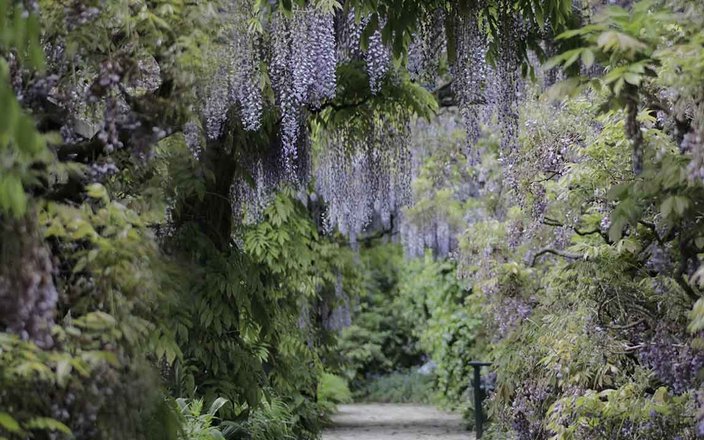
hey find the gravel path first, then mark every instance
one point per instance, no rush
(395, 422)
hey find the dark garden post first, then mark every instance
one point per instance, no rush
(478, 397)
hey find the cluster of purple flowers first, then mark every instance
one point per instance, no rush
(672, 358)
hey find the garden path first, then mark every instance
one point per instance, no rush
(395, 422)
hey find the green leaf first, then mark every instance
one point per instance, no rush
(587, 57)
(616, 229)
(579, 32)
(63, 371)
(216, 405)
(696, 315)
(97, 191)
(28, 140)
(619, 191)
(699, 242)
(567, 87)
(619, 86)
(674, 205)
(681, 204)
(661, 395)
(571, 56)
(12, 197)
(96, 321)
(48, 424)
(9, 423)
(632, 78)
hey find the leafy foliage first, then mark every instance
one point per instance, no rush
(400, 387)
(448, 323)
(273, 419)
(198, 425)
(581, 270)
(380, 338)
(333, 390)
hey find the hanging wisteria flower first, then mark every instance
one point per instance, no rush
(302, 69)
(377, 58)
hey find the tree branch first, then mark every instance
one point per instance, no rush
(446, 96)
(558, 252)
(552, 222)
(552, 175)
(341, 106)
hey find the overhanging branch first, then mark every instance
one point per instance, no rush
(558, 252)
(552, 222)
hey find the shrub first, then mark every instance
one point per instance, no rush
(271, 420)
(196, 424)
(400, 387)
(333, 389)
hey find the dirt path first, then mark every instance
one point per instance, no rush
(395, 422)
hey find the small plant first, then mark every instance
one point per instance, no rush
(273, 419)
(196, 424)
(333, 390)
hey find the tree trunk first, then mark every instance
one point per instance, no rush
(28, 295)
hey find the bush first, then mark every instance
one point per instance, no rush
(381, 338)
(332, 390)
(199, 425)
(273, 419)
(448, 320)
(400, 387)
